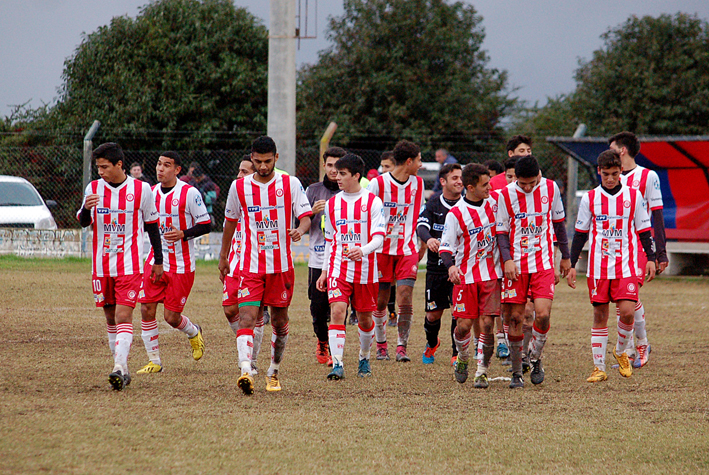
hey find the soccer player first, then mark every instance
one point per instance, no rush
(530, 215)
(269, 203)
(318, 194)
(616, 218)
(517, 146)
(401, 191)
(469, 233)
(119, 209)
(183, 217)
(230, 296)
(354, 230)
(648, 183)
(439, 290)
(387, 163)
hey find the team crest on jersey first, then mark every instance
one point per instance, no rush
(631, 288)
(431, 306)
(131, 294)
(494, 208)
(183, 300)
(130, 197)
(545, 199)
(364, 208)
(460, 307)
(414, 268)
(175, 202)
(284, 296)
(279, 192)
(636, 183)
(626, 204)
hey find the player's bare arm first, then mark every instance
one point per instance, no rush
(650, 271)
(321, 283)
(297, 233)
(227, 236)
(564, 267)
(454, 275)
(571, 278)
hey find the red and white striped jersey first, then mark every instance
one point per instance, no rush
(647, 183)
(402, 205)
(528, 218)
(351, 219)
(236, 241)
(614, 222)
(118, 223)
(268, 211)
(182, 207)
(469, 234)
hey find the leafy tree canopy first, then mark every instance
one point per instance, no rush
(403, 69)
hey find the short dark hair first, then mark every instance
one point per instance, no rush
(472, 173)
(628, 140)
(388, 155)
(351, 162)
(527, 167)
(176, 157)
(197, 172)
(111, 151)
(337, 152)
(136, 164)
(495, 166)
(609, 159)
(263, 145)
(514, 142)
(447, 168)
(405, 150)
(247, 159)
(511, 162)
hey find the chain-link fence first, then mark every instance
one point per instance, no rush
(56, 171)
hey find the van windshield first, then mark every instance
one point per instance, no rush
(18, 194)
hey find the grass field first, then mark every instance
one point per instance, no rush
(58, 413)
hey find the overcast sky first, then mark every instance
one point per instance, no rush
(538, 42)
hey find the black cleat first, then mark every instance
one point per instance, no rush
(117, 380)
(517, 381)
(537, 375)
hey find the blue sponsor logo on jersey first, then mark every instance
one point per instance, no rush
(102, 210)
(253, 209)
(389, 204)
(340, 222)
(438, 227)
(520, 215)
(319, 248)
(602, 217)
(475, 230)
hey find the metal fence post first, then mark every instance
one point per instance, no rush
(88, 148)
(572, 184)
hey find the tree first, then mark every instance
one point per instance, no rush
(180, 65)
(403, 69)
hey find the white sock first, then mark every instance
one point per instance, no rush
(625, 332)
(380, 329)
(149, 333)
(258, 338)
(111, 331)
(245, 346)
(463, 346)
(336, 339)
(599, 342)
(539, 338)
(124, 338)
(365, 342)
(187, 327)
(639, 323)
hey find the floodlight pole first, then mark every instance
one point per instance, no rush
(86, 179)
(572, 184)
(324, 144)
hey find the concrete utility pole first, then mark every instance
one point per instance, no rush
(281, 82)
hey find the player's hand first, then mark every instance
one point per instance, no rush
(511, 272)
(321, 283)
(91, 201)
(318, 206)
(173, 235)
(649, 271)
(355, 254)
(454, 275)
(571, 278)
(295, 234)
(557, 276)
(661, 266)
(564, 267)
(156, 273)
(433, 244)
(223, 268)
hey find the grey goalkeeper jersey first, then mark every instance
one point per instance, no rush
(316, 192)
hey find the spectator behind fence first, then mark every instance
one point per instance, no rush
(209, 190)
(136, 171)
(444, 158)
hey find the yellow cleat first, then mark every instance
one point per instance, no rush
(597, 376)
(150, 368)
(246, 383)
(197, 344)
(273, 383)
(624, 367)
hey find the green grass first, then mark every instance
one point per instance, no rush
(59, 415)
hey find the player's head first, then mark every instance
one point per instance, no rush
(329, 158)
(168, 167)
(387, 162)
(109, 161)
(609, 167)
(527, 172)
(494, 167)
(350, 170)
(264, 156)
(136, 170)
(519, 145)
(627, 141)
(510, 168)
(246, 167)
(476, 180)
(450, 178)
(408, 155)
(441, 155)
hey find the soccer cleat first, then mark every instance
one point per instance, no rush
(254, 369)
(127, 379)
(273, 383)
(401, 355)
(642, 354)
(461, 371)
(454, 358)
(392, 319)
(481, 381)
(624, 367)
(337, 373)
(364, 370)
(197, 344)
(322, 353)
(502, 351)
(382, 351)
(428, 353)
(597, 376)
(537, 376)
(526, 366)
(117, 380)
(246, 383)
(517, 381)
(150, 368)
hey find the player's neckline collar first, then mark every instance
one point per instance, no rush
(259, 183)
